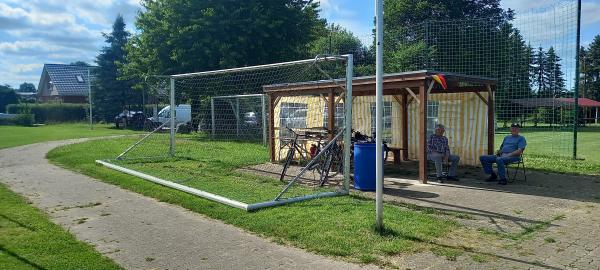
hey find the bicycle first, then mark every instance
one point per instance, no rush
(293, 146)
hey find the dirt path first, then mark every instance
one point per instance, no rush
(140, 232)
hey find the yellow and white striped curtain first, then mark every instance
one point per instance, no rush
(463, 114)
(465, 117)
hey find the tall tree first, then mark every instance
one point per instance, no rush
(416, 31)
(592, 70)
(553, 75)
(338, 40)
(79, 63)
(26, 88)
(188, 36)
(111, 95)
(473, 37)
(7, 96)
(538, 68)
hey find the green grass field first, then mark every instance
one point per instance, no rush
(28, 240)
(552, 150)
(17, 135)
(340, 226)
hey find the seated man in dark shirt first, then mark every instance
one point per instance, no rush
(510, 151)
(438, 151)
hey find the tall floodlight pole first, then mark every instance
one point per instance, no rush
(577, 74)
(379, 115)
(89, 86)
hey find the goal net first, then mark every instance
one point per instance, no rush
(248, 137)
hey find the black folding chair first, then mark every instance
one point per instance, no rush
(519, 167)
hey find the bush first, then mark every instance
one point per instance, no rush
(24, 120)
(51, 113)
(18, 119)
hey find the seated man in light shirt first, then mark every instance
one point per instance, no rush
(438, 151)
(510, 151)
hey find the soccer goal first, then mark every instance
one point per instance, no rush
(249, 137)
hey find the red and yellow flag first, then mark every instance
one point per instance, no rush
(439, 78)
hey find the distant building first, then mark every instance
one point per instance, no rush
(29, 96)
(64, 83)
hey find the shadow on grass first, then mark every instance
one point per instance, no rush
(17, 222)
(452, 251)
(21, 259)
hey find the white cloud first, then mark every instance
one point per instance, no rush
(590, 13)
(35, 32)
(520, 5)
(22, 68)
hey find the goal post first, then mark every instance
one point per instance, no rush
(205, 113)
(249, 111)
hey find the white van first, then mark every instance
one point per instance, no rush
(183, 115)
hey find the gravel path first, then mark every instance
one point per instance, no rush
(140, 232)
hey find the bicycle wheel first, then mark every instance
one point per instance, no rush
(326, 167)
(286, 165)
(337, 161)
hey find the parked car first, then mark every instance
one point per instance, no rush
(183, 118)
(251, 119)
(133, 119)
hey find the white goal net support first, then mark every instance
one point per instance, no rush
(249, 137)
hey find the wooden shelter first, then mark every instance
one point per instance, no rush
(407, 89)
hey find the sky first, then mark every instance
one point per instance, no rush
(35, 32)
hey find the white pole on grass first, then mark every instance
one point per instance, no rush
(348, 121)
(379, 115)
(212, 117)
(172, 116)
(264, 117)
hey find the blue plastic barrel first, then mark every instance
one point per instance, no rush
(364, 166)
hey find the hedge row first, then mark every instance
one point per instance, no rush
(51, 112)
(18, 119)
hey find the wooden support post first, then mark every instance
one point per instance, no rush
(331, 114)
(405, 126)
(423, 134)
(482, 98)
(272, 127)
(490, 115)
(413, 93)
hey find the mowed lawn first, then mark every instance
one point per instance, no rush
(339, 226)
(552, 150)
(16, 135)
(28, 240)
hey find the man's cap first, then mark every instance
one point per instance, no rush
(515, 125)
(439, 126)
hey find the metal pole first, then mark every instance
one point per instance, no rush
(348, 121)
(89, 84)
(212, 117)
(576, 122)
(172, 116)
(379, 116)
(264, 118)
(237, 117)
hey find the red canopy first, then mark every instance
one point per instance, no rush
(583, 102)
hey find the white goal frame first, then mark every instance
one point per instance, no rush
(346, 133)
